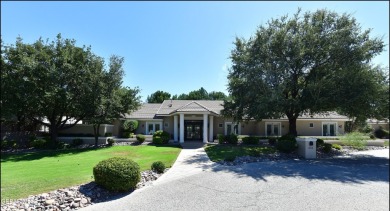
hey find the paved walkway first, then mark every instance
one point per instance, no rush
(195, 183)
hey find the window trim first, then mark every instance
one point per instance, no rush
(311, 125)
(273, 123)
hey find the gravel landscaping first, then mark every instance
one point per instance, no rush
(73, 198)
(286, 156)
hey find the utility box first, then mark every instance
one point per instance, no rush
(307, 147)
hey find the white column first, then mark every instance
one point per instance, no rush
(211, 129)
(181, 128)
(175, 128)
(205, 118)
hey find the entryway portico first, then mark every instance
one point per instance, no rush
(198, 123)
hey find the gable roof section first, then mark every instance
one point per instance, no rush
(171, 106)
(146, 111)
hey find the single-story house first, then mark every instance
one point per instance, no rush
(202, 120)
(376, 124)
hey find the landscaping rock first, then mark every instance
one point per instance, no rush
(73, 198)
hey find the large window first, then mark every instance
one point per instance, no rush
(329, 128)
(152, 127)
(232, 128)
(273, 129)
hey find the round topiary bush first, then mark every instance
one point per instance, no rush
(110, 142)
(157, 140)
(320, 142)
(327, 147)
(164, 136)
(117, 174)
(158, 167)
(287, 144)
(140, 138)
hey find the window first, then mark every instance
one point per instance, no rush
(311, 124)
(166, 124)
(329, 129)
(272, 129)
(220, 125)
(152, 127)
(232, 128)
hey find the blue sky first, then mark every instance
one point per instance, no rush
(171, 46)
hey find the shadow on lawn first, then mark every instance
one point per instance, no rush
(346, 170)
(36, 155)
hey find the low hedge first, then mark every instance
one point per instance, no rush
(250, 140)
(287, 144)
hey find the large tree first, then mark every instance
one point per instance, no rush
(50, 80)
(158, 97)
(111, 98)
(303, 63)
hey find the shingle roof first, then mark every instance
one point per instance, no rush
(168, 107)
(171, 106)
(147, 111)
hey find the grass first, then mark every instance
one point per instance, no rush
(34, 173)
(221, 152)
(355, 140)
(386, 143)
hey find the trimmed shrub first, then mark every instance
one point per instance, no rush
(130, 125)
(157, 140)
(131, 135)
(287, 144)
(158, 167)
(126, 134)
(163, 135)
(108, 134)
(117, 174)
(140, 138)
(221, 139)
(327, 147)
(39, 143)
(320, 142)
(355, 140)
(232, 139)
(381, 133)
(272, 141)
(110, 142)
(337, 146)
(250, 140)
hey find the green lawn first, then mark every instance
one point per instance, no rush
(34, 173)
(220, 152)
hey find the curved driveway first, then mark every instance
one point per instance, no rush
(360, 182)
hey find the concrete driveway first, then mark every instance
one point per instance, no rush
(195, 183)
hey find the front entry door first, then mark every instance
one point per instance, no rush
(193, 130)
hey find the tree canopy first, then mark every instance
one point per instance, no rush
(201, 94)
(158, 97)
(312, 62)
(57, 81)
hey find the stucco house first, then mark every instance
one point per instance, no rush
(202, 120)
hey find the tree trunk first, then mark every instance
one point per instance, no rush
(53, 134)
(96, 128)
(292, 126)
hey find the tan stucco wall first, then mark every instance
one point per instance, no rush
(303, 128)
